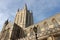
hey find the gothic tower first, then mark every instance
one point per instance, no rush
(24, 17)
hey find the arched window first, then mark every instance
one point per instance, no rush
(45, 25)
(38, 28)
(54, 22)
(31, 32)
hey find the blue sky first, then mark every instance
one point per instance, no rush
(41, 9)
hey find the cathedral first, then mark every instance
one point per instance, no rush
(24, 28)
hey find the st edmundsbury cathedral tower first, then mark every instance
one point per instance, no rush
(24, 28)
(24, 17)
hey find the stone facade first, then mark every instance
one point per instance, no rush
(24, 28)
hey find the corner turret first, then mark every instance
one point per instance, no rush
(6, 22)
(25, 7)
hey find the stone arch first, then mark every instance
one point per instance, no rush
(45, 24)
(31, 31)
(54, 21)
(38, 28)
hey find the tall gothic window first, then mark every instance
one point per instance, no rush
(46, 25)
(31, 32)
(38, 28)
(55, 22)
(27, 20)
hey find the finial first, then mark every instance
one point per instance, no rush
(6, 22)
(18, 9)
(25, 6)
